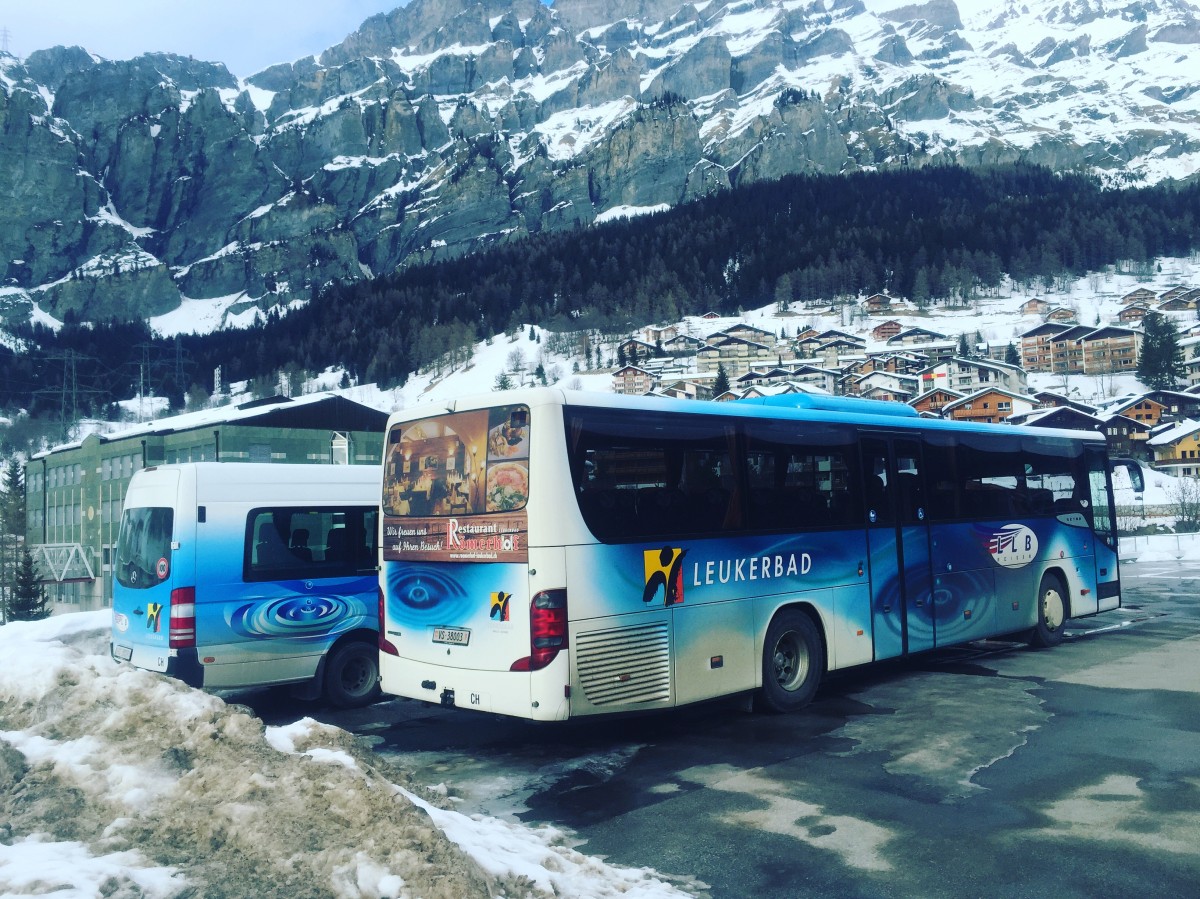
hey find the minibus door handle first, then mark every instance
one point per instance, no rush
(138, 612)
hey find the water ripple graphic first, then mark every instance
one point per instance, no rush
(298, 616)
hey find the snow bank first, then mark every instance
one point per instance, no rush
(115, 782)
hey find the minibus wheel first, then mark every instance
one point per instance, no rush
(1053, 611)
(792, 664)
(352, 674)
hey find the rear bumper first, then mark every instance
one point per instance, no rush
(540, 697)
(182, 664)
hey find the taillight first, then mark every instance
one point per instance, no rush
(547, 630)
(182, 632)
(385, 645)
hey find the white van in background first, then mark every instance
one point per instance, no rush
(243, 574)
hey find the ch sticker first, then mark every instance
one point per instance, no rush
(664, 570)
(153, 616)
(499, 610)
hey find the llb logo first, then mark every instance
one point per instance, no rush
(664, 570)
(1013, 546)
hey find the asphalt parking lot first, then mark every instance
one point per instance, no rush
(987, 770)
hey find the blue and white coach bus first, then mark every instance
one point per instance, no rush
(245, 574)
(548, 554)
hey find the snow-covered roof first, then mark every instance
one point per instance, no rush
(218, 415)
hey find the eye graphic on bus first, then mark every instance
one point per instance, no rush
(418, 595)
(664, 568)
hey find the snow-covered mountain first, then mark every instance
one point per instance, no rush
(129, 187)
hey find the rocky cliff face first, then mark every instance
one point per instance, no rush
(445, 125)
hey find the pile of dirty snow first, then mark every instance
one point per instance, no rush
(116, 782)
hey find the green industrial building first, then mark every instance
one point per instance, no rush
(74, 492)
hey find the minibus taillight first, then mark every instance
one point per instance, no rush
(385, 645)
(182, 633)
(547, 630)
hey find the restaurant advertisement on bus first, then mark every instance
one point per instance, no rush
(455, 488)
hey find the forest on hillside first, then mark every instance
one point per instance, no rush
(936, 235)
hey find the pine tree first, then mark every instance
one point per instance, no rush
(1160, 365)
(1011, 356)
(29, 601)
(12, 526)
(721, 384)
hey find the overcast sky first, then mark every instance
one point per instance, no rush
(246, 35)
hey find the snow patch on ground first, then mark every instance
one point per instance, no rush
(116, 782)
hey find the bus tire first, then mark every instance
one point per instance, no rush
(793, 662)
(352, 675)
(1053, 609)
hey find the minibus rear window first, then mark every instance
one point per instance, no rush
(144, 547)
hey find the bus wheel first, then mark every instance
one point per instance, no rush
(1052, 613)
(352, 675)
(793, 662)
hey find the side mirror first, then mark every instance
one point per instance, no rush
(1134, 471)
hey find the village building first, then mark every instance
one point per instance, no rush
(1125, 437)
(1062, 315)
(886, 330)
(682, 344)
(1037, 347)
(633, 380)
(636, 350)
(933, 401)
(882, 385)
(1050, 399)
(1141, 295)
(1064, 417)
(1133, 313)
(687, 389)
(966, 375)
(1066, 351)
(1180, 303)
(913, 337)
(736, 354)
(743, 332)
(1176, 448)
(1110, 350)
(877, 303)
(988, 406)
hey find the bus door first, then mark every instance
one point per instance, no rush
(1108, 585)
(902, 608)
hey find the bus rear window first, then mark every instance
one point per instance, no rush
(144, 547)
(461, 463)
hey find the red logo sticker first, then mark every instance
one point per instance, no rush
(161, 569)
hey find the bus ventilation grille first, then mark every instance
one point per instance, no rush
(625, 665)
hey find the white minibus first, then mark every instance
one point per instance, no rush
(231, 575)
